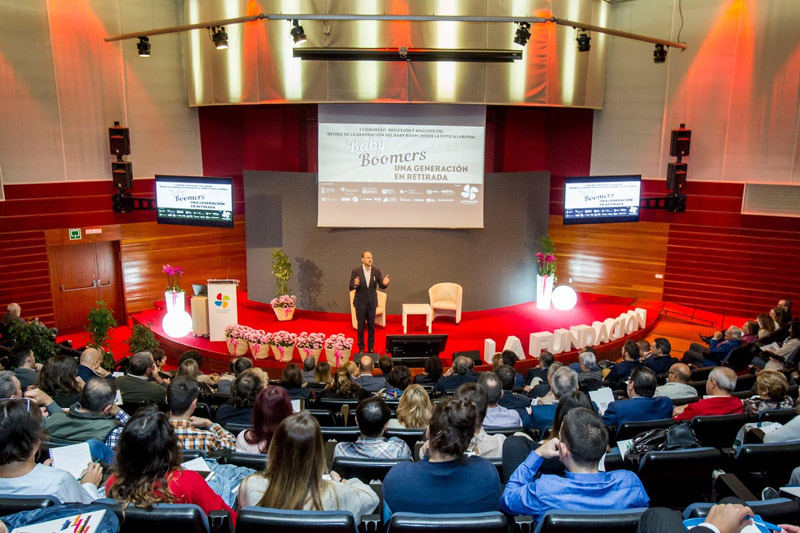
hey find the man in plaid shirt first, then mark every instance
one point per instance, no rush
(195, 433)
(372, 417)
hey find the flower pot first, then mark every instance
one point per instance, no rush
(237, 347)
(175, 300)
(259, 351)
(282, 353)
(337, 358)
(284, 313)
(544, 291)
(309, 352)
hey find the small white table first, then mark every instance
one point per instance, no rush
(417, 309)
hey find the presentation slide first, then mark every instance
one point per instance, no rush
(194, 201)
(400, 166)
(600, 199)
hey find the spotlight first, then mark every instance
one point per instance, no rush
(143, 46)
(584, 44)
(523, 33)
(297, 32)
(219, 37)
(660, 54)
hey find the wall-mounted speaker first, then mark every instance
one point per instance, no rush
(676, 175)
(119, 140)
(122, 172)
(680, 142)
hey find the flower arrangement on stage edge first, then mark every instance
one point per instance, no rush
(283, 345)
(237, 338)
(258, 339)
(310, 344)
(338, 347)
(546, 257)
(173, 277)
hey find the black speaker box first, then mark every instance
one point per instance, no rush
(122, 172)
(119, 141)
(676, 175)
(680, 142)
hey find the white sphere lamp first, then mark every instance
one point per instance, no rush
(564, 298)
(177, 323)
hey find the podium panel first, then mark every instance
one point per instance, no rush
(222, 307)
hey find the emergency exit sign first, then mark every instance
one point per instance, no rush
(74, 234)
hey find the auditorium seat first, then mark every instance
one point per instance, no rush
(699, 386)
(256, 461)
(15, 504)
(234, 428)
(410, 435)
(507, 431)
(261, 520)
(677, 478)
(446, 300)
(629, 430)
(364, 469)
(590, 521)
(202, 410)
(718, 431)
(492, 522)
(340, 434)
(766, 465)
(781, 416)
(776, 511)
(324, 417)
(684, 401)
(162, 517)
(745, 383)
(188, 455)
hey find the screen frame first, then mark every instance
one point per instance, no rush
(601, 220)
(193, 179)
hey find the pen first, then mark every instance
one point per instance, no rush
(98, 460)
(759, 522)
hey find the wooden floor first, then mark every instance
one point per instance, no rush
(681, 333)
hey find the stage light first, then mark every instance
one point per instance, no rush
(564, 298)
(143, 46)
(584, 42)
(297, 32)
(660, 54)
(523, 33)
(219, 37)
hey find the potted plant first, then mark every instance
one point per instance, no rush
(310, 344)
(282, 344)
(284, 307)
(174, 295)
(546, 277)
(33, 336)
(338, 349)
(259, 341)
(236, 339)
(282, 270)
(101, 320)
(142, 339)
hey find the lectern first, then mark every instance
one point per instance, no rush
(222, 307)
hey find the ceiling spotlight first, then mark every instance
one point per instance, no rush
(143, 46)
(523, 33)
(297, 32)
(584, 44)
(660, 54)
(219, 37)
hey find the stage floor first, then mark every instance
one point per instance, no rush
(476, 326)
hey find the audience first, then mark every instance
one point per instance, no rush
(160, 359)
(446, 480)
(780, 316)
(721, 518)
(509, 399)
(482, 443)
(236, 366)
(509, 358)
(623, 369)
(343, 387)
(766, 325)
(272, 406)
(239, 409)
(59, 379)
(148, 467)
(771, 387)
(136, 385)
(787, 308)
(787, 353)
(542, 391)
(12, 318)
(369, 382)
(581, 443)
(719, 346)
(660, 359)
(207, 380)
(564, 381)
(641, 405)
(292, 381)
(677, 386)
(432, 373)
(396, 382)
(644, 350)
(414, 410)
(496, 415)
(386, 364)
(309, 364)
(789, 432)
(718, 400)
(322, 373)
(20, 475)
(191, 370)
(749, 332)
(545, 360)
(590, 374)
(91, 365)
(9, 385)
(194, 433)
(293, 478)
(372, 417)
(457, 375)
(25, 367)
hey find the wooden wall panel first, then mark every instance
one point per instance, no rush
(616, 259)
(26, 274)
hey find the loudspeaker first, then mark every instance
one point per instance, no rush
(119, 140)
(122, 172)
(676, 175)
(680, 141)
(475, 355)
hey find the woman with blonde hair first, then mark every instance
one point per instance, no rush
(771, 387)
(414, 410)
(765, 325)
(293, 478)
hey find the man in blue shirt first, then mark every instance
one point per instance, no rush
(582, 443)
(642, 406)
(623, 369)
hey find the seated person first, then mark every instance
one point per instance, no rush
(432, 373)
(322, 374)
(482, 443)
(722, 518)
(59, 379)
(396, 382)
(292, 381)
(12, 319)
(509, 399)
(621, 371)
(142, 383)
(509, 358)
(786, 355)
(309, 363)
(719, 346)
(677, 386)
(581, 443)
(386, 364)
(91, 365)
(208, 381)
(542, 393)
(366, 379)
(642, 405)
(343, 387)
(564, 381)
(239, 409)
(789, 432)
(414, 409)
(237, 365)
(644, 350)
(590, 374)
(25, 367)
(148, 468)
(660, 360)
(497, 416)
(9, 385)
(372, 417)
(717, 401)
(431, 486)
(20, 474)
(461, 372)
(160, 359)
(293, 478)
(194, 433)
(771, 387)
(545, 360)
(749, 332)
(272, 406)
(766, 325)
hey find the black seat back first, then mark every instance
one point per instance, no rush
(507, 431)
(188, 455)
(766, 465)
(364, 469)
(493, 522)
(718, 431)
(781, 416)
(591, 521)
(341, 434)
(15, 504)
(256, 461)
(235, 428)
(629, 430)
(410, 435)
(323, 416)
(677, 478)
(745, 383)
(163, 517)
(202, 410)
(699, 386)
(777, 511)
(261, 520)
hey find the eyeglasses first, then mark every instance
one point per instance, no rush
(26, 400)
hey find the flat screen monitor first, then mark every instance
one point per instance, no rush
(194, 201)
(598, 199)
(412, 350)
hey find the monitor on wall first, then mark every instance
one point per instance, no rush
(598, 199)
(194, 201)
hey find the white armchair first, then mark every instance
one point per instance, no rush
(380, 312)
(446, 300)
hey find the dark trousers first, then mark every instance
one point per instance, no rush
(696, 354)
(366, 315)
(661, 520)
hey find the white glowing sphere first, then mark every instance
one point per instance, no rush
(564, 298)
(177, 323)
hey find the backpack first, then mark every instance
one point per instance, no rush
(678, 437)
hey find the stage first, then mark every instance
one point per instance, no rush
(476, 326)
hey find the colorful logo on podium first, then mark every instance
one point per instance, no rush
(222, 301)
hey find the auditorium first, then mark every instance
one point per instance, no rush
(270, 264)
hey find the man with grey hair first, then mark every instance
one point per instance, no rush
(497, 416)
(588, 362)
(309, 364)
(11, 319)
(545, 360)
(543, 393)
(719, 346)
(367, 381)
(142, 382)
(717, 401)
(677, 386)
(9, 385)
(562, 382)
(458, 374)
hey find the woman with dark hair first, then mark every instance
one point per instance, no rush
(239, 409)
(292, 381)
(447, 475)
(396, 382)
(344, 387)
(59, 379)
(433, 371)
(294, 476)
(20, 435)
(765, 325)
(272, 406)
(148, 468)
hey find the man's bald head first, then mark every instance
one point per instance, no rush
(366, 365)
(679, 373)
(91, 357)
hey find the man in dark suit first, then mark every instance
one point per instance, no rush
(642, 406)
(365, 280)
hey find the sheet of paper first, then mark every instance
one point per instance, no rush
(295, 405)
(74, 459)
(770, 347)
(624, 445)
(197, 464)
(118, 374)
(601, 398)
(118, 398)
(794, 490)
(85, 523)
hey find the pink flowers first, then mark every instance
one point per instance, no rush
(284, 301)
(546, 257)
(173, 277)
(339, 342)
(283, 338)
(312, 341)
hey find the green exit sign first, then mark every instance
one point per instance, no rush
(75, 234)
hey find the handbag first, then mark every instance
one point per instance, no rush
(678, 437)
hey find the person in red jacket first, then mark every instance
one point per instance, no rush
(717, 401)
